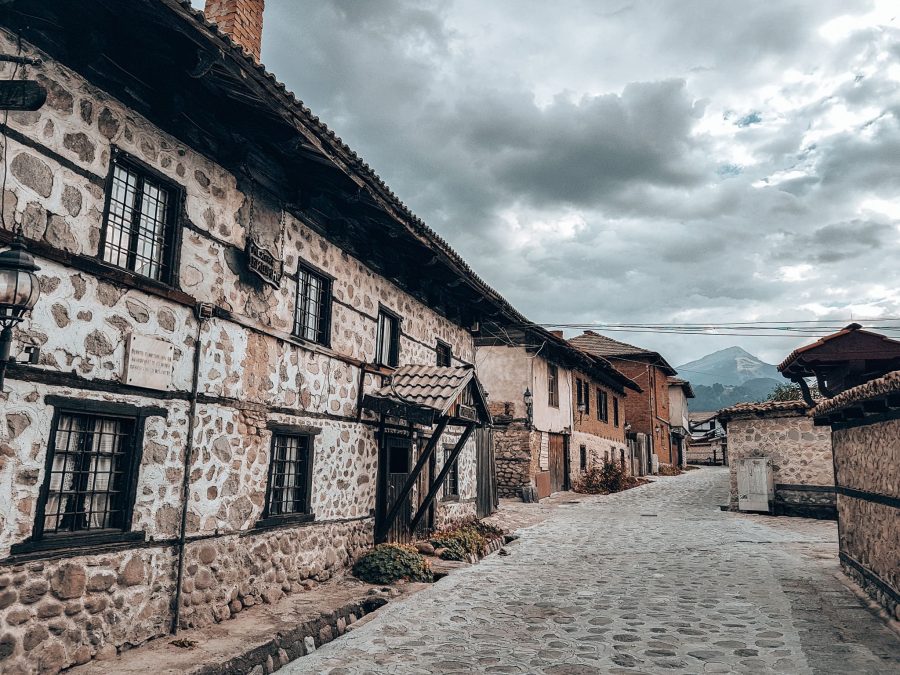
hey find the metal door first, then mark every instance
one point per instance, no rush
(756, 489)
(558, 465)
(396, 453)
(486, 470)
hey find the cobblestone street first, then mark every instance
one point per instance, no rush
(653, 580)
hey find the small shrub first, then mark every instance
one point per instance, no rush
(669, 470)
(604, 479)
(465, 540)
(386, 563)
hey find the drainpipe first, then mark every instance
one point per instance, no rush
(203, 311)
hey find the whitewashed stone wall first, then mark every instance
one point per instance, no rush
(250, 376)
(597, 448)
(800, 454)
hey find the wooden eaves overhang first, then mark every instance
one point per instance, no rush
(429, 395)
(848, 358)
(162, 59)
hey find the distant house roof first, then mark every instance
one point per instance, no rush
(700, 417)
(684, 384)
(600, 345)
(764, 409)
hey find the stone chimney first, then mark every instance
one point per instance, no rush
(241, 20)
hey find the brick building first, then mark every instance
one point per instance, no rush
(648, 411)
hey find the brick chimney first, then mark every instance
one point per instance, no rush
(241, 20)
(556, 333)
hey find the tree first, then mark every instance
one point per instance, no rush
(790, 392)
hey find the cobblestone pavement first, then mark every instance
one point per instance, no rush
(652, 580)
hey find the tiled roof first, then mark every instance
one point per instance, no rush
(701, 416)
(335, 149)
(764, 407)
(847, 330)
(600, 345)
(888, 384)
(435, 387)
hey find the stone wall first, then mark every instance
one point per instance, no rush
(252, 373)
(598, 449)
(867, 458)
(513, 456)
(801, 458)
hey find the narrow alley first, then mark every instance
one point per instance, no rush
(656, 579)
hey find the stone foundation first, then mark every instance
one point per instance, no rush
(512, 450)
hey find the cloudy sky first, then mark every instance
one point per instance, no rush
(645, 161)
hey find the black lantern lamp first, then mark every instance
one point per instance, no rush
(19, 292)
(529, 404)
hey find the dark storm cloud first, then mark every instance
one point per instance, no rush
(704, 160)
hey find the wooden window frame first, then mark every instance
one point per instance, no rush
(394, 349)
(553, 385)
(443, 349)
(452, 475)
(63, 405)
(269, 519)
(582, 457)
(602, 405)
(170, 259)
(615, 411)
(300, 313)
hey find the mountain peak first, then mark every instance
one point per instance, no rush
(731, 366)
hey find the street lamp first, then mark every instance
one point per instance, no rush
(19, 292)
(528, 397)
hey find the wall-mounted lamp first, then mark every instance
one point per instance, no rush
(528, 397)
(19, 293)
(657, 430)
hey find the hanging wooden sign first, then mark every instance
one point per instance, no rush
(263, 264)
(22, 95)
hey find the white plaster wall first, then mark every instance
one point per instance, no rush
(505, 374)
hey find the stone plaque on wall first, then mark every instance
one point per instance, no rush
(149, 362)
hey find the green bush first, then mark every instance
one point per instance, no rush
(605, 479)
(386, 563)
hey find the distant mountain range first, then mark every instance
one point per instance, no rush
(729, 376)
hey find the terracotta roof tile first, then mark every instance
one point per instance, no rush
(435, 387)
(764, 407)
(888, 384)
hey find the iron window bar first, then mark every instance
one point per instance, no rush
(312, 315)
(290, 475)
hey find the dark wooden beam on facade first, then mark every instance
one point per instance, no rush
(411, 481)
(439, 480)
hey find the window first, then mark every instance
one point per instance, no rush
(444, 354)
(583, 395)
(583, 457)
(602, 406)
(451, 482)
(139, 223)
(91, 471)
(312, 315)
(615, 411)
(553, 385)
(290, 475)
(388, 343)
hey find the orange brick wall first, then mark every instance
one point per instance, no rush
(241, 20)
(648, 409)
(588, 423)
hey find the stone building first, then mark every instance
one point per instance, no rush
(207, 422)
(533, 378)
(783, 432)
(858, 371)
(707, 444)
(648, 410)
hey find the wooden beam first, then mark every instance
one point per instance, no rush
(410, 482)
(439, 480)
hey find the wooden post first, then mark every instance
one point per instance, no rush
(439, 480)
(411, 481)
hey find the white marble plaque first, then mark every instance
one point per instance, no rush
(149, 362)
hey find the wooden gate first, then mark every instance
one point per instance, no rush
(425, 525)
(487, 501)
(396, 458)
(559, 467)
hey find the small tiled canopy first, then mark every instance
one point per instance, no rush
(422, 392)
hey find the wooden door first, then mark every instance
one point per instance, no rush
(486, 470)
(558, 465)
(423, 484)
(396, 456)
(754, 483)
